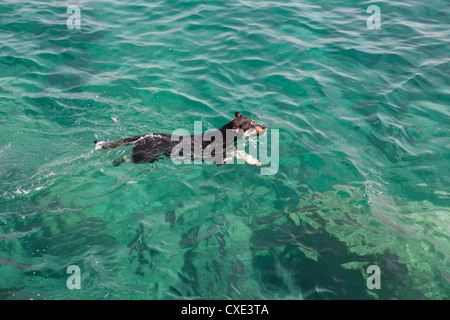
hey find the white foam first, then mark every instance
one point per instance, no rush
(99, 145)
(151, 135)
(20, 191)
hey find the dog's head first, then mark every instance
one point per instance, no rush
(247, 125)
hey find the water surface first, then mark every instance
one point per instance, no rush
(363, 179)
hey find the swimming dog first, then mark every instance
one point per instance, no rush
(214, 144)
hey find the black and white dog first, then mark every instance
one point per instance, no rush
(210, 146)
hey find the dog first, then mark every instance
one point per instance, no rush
(216, 144)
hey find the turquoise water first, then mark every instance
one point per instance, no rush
(363, 178)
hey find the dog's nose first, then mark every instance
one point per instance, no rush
(262, 131)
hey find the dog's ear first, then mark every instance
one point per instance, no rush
(238, 114)
(236, 123)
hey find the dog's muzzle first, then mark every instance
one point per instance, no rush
(261, 130)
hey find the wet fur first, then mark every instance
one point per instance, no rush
(155, 146)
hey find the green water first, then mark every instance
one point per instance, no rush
(363, 177)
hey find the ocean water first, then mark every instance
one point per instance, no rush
(363, 177)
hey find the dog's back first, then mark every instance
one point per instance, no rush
(152, 147)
